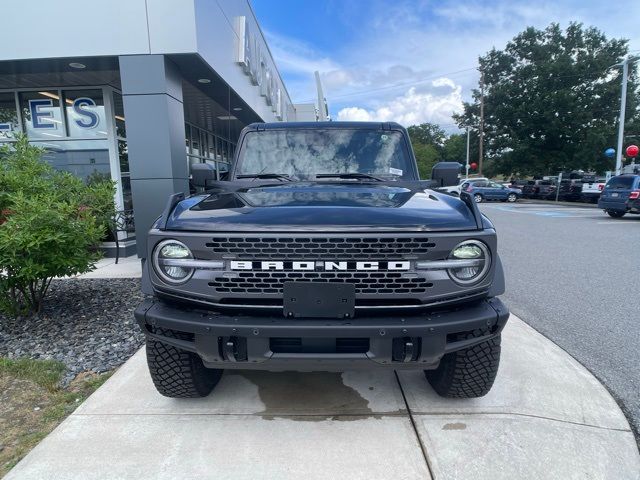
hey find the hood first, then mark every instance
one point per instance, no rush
(322, 207)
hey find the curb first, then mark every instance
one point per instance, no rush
(552, 202)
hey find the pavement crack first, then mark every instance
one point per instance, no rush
(518, 414)
(415, 427)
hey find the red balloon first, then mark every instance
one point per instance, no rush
(632, 151)
(474, 165)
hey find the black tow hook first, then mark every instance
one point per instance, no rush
(234, 349)
(406, 349)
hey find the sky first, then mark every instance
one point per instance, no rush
(411, 61)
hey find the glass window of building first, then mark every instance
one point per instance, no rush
(87, 159)
(42, 115)
(123, 155)
(212, 147)
(126, 193)
(195, 142)
(85, 114)
(187, 133)
(8, 116)
(118, 111)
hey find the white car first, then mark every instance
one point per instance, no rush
(455, 190)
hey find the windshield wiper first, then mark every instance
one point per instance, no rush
(278, 176)
(364, 176)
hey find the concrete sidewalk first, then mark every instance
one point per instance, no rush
(127, 267)
(546, 418)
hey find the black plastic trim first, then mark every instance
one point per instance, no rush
(430, 330)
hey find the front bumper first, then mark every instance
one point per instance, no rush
(276, 343)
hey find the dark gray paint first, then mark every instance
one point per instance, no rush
(152, 97)
(197, 287)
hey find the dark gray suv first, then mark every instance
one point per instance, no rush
(621, 195)
(323, 251)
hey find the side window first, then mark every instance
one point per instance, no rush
(465, 185)
(480, 184)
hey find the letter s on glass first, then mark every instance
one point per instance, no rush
(91, 118)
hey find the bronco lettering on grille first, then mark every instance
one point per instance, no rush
(323, 266)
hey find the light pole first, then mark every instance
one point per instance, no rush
(623, 106)
(481, 142)
(467, 163)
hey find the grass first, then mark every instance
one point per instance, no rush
(32, 404)
(45, 373)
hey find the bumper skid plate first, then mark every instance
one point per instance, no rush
(416, 341)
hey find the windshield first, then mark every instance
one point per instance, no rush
(621, 183)
(305, 153)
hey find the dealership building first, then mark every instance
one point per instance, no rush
(138, 91)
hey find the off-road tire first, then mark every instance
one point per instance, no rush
(177, 373)
(467, 373)
(616, 213)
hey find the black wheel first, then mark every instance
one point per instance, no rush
(467, 373)
(512, 198)
(616, 213)
(177, 373)
(478, 198)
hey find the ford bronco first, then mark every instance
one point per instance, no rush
(323, 250)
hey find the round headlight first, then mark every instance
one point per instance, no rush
(477, 254)
(166, 261)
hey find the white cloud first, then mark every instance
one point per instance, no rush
(413, 107)
(414, 60)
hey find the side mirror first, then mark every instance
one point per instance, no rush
(201, 173)
(445, 174)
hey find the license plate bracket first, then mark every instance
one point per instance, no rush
(319, 300)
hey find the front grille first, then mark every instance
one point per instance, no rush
(320, 248)
(253, 283)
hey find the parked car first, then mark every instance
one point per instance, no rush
(591, 191)
(529, 189)
(621, 195)
(547, 190)
(570, 190)
(455, 189)
(482, 190)
(264, 272)
(518, 184)
(543, 189)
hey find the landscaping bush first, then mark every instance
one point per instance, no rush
(50, 225)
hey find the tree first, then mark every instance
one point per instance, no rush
(551, 101)
(431, 145)
(426, 157)
(427, 134)
(455, 148)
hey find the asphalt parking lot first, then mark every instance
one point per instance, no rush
(573, 273)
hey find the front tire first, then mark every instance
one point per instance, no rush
(177, 373)
(477, 198)
(616, 213)
(467, 373)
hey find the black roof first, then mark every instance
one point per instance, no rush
(324, 125)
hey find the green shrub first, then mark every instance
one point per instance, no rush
(50, 226)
